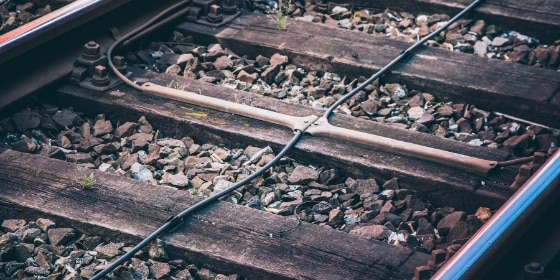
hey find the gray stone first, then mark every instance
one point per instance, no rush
(126, 129)
(270, 73)
(415, 113)
(171, 143)
(160, 269)
(37, 271)
(377, 232)
(11, 225)
(45, 224)
(223, 63)
(88, 143)
(173, 69)
(79, 158)
(141, 173)
(246, 77)
(478, 27)
(30, 234)
(205, 274)
(500, 41)
(109, 251)
(480, 48)
(396, 91)
(25, 145)
(365, 187)
(302, 175)
(61, 236)
(424, 227)
(67, 118)
(416, 101)
(278, 59)
(197, 162)
(26, 119)
(178, 180)
(449, 221)
(127, 160)
(140, 268)
(262, 61)
(144, 125)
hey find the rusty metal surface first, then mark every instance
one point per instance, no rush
(47, 61)
(320, 127)
(51, 25)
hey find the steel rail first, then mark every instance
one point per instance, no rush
(515, 217)
(41, 29)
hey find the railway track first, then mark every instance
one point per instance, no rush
(232, 238)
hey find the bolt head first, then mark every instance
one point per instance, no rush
(92, 48)
(118, 61)
(100, 71)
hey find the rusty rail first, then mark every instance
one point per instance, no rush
(51, 25)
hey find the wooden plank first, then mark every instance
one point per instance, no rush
(231, 238)
(441, 184)
(537, 18)
(510, 88)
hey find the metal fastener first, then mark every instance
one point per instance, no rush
(78, 74)
(229, 7)
(214, 14)
(423, 273)
(92, 51)
(437, 258)
(100, 76)
(539, 158)
(525, 172)
(451, 250)
(533, 271)
(120, 64)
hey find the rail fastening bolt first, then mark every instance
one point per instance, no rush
(229, 7)
(525, 172)
(100, 76)
(451, 250)
(539, 158)
(214, 15)
(533, 271)
(119, 63)
(422, 273)
(437, 258)
(92, 51)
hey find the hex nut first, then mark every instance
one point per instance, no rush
(92, 51)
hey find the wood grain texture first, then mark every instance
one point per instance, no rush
(510, 88)
(228, 237)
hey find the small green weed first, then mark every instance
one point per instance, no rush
(175, 85)
(280, 16)
(85, 182)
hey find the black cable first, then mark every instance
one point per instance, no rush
(404, 55)
(176, 220)
(138, 30)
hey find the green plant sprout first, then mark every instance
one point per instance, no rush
(175, 85)
(86, 182)
(280, 16)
